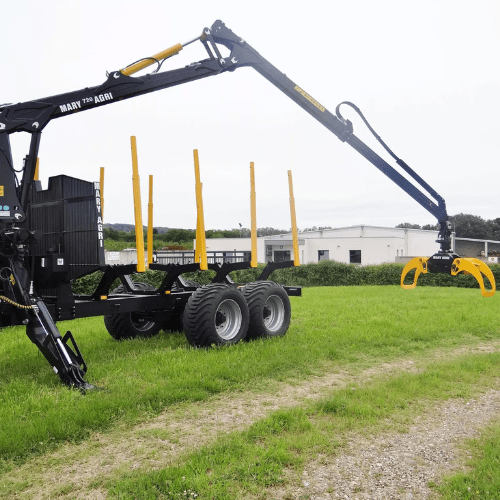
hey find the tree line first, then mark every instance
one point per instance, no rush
(190, 234)
(466, 226)
(177, 239)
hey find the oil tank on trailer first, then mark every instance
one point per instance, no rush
(68, 213)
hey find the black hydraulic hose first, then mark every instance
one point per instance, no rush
(144, 59)
(400, 162)
(370, 128)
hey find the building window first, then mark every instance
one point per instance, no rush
(323, 255)
(281, 255)
(269, 251)
(355, 256)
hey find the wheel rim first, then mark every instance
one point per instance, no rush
(228, 319)
(274, 313)
(140, 323)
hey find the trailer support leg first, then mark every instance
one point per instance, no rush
(66, 362)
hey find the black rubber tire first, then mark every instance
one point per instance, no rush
(130, 325)
(215, 314)
(269, 309)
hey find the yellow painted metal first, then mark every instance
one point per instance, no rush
(103, 297)
(198, 196)
(296, 259)
(477, 268)
(197, 245)
(253, 216)
(37, 172)
(150, 221)
(199, 231)
(101, 188)
(139, 236)
(201, 245)
(134, 68)
(420, 266)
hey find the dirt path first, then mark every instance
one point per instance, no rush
(397, 466)
(76, 471)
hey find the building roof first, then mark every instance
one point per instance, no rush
(356, 227)
(361, 227)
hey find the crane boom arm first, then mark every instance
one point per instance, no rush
(32, 117)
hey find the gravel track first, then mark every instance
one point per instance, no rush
(398, 466)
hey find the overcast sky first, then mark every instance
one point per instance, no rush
(425, 74)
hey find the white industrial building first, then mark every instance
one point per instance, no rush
(362, 245)
(356, 244)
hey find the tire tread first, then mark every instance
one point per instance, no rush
(256, 294)
(198, 326)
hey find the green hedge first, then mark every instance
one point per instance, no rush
(330, 273)
(325, 273)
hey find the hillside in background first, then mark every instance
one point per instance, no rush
(129, 228)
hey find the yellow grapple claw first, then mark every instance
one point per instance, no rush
(477, 268)
(420, 266)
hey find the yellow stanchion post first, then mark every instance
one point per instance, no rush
(201, 245)
(150, 221)
(139, 235)
(253, 216)
(296, 259)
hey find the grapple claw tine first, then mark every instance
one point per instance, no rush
(477, 268)
(420, 266)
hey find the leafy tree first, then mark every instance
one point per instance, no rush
(270, 231)
(471, 226)
(180, 235)
(466, 226)
(314, 228)
(112, 234)
(495, 229)
(213, 233)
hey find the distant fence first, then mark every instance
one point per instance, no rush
(187, 257)
(177, 257)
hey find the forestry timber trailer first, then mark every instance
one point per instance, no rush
(48, 238)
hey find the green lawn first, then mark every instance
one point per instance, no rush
(245, 464)
(331, 327)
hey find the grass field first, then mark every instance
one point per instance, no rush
(333, 330)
